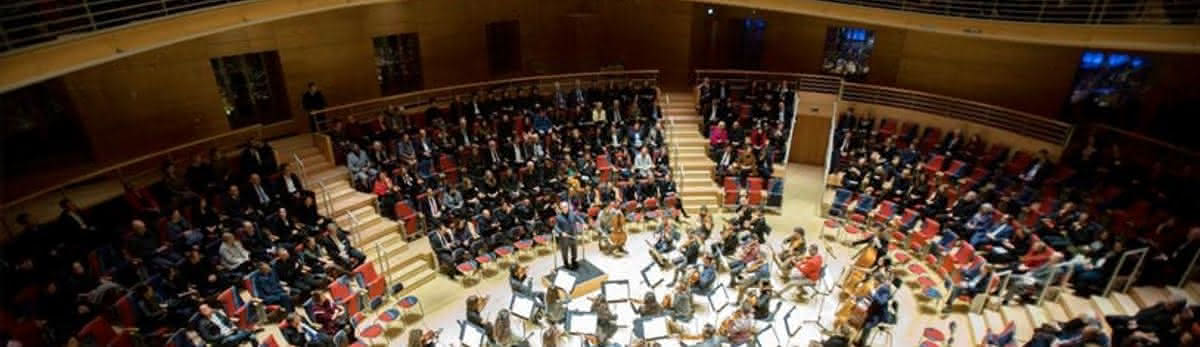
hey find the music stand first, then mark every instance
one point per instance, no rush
(471, 335)
(719, 299)
(582, 323)
(615, 291)
(522, 306)
(792, 322)
(564, 279)
(651, 328)
(768, 337)
(653, 275)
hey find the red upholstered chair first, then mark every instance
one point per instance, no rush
(376, 285)
(412, 224)
(234, 308)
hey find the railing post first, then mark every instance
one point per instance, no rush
(1188, 273)
(1041, 10)
(88, 12)
(1117, 274)
(1137, 271)
(163, 4)
(300, 164)
(1049, 283)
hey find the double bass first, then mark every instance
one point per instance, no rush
(618, 235)
(856, 287)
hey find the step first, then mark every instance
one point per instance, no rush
(349, 201)
(693, 141)
(409, 271)
(994, 321)
(307, 152)
(312, 157)
(1125, 302)
(1037, 316)
(692, 154)
(1148, 296)
(393, 244)
(363, 213)
(693, 150)
(332, 186)
(1107, 307)
(1193, 287)
(1055, 312)
(977, 327)
(336, 191)
(426, 276)
(690, 120)
(697, 165)
(698, 183)
(317, 166)
(1020, 318)
(328, 176)
(1178, 292)
(1075, 306)
(377, 230)
(292, 143)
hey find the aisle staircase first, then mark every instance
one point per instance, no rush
(380, 238)
(693, 168)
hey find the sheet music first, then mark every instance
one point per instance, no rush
(616, 291)
(472, 336)
(654, 328)
(522, 306)
(583, 324)
(653, 274)
(768, 338)
(720, 299)
(564, 280)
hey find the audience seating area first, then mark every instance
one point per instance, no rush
(964, 221)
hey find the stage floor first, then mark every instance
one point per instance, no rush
(444, 300)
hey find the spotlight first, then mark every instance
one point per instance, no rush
(710, 11)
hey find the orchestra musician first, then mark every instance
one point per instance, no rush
(551, 336)
(680, 303)
(419, 338)
(805, 270)
(521, 283)
(648, 306)
(556, 304)
(666, 236)
(760, 300)
(703, 280)
(877, 312)
(878, 239)
(751, 261)
(475, 305)
(738, 328)
(606, 320)
(502, 334)
(794, 244)
(611, 222)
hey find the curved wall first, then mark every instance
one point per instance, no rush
(162, 97)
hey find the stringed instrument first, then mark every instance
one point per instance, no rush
(618, 236)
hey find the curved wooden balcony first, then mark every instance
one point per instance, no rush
(1024, 124)
(1136, 35)
(438, 96)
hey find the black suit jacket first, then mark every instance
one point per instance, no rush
(209, 331)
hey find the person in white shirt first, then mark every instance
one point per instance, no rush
(233, 255)
(642, 163)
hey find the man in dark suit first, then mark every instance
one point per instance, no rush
(217, 329)
(299, 332)
(444, 243)
(431, 207)
(233, 204)
(492, 158)
(565, 229)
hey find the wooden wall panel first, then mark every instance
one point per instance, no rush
(810, 135)
(171, 93)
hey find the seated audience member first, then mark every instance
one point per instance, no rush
(299, 332)
(331, 316)
(217, 329)
(269, 289)
(974, 282)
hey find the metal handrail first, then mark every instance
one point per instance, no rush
(682, 172)
(1045, 11)
(1050, 282)
(1120, 266)
(1022, 123)
(354, 228)
(29, 23)
(325, 197)
(300, 164)
(440, 96)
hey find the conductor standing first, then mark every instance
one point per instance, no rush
(565, 229)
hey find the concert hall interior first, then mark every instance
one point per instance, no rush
(815, 173)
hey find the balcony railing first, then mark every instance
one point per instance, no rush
(442, 96)
(25, 23)
(1050, 11)
(1021, 123)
